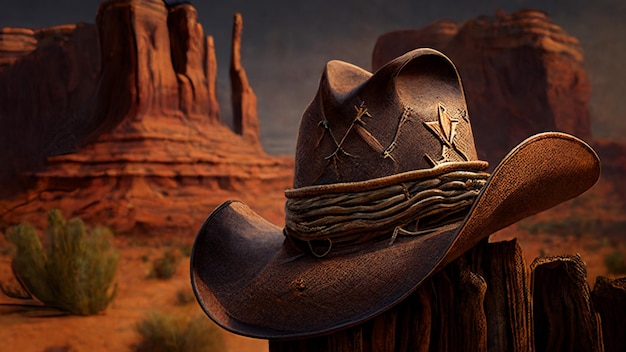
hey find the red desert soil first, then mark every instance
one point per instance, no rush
(114, 329)
(589, 225)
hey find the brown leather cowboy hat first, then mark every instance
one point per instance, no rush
(387, 190)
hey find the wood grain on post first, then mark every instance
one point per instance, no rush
(564, 316)
(485, 301)
(609, 299)
(508, 300)
(468, 306)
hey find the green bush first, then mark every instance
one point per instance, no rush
(185, 296)
(162, 332)
(75, 269)
(615, 262)
(165, 266)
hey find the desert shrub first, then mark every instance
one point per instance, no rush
(572, 225)
(185, 296)
(74, 269)
(164, 267)
(163, 332)
(615, 262)
(186, 250)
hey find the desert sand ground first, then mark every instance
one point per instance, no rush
(115, 328)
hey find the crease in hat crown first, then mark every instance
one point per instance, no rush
(383, 154)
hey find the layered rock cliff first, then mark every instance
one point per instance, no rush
(136, 104)
(244, 101)
(48, 79)
(522, 74)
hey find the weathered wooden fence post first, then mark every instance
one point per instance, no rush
(488, 301)
(564, 317)
(609, 299)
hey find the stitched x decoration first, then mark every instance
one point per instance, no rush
(445, 129)
(357, 124)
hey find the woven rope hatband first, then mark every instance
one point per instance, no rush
(351, 218)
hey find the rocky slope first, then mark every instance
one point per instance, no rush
(48, 78)
(152, 156)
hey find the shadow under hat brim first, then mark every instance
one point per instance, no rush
(252, 281)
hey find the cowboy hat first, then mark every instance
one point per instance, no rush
(387, 190)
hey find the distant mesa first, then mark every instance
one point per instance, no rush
(522, 74)
(119, 123)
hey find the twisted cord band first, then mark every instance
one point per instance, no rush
(406, 208)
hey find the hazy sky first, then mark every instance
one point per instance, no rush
(286, 44)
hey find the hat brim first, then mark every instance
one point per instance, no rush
(252, 281)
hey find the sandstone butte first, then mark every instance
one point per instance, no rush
(128, 107)
(118, 123)
(522, 74)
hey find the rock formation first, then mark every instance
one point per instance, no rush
(246, 121)
(613, 157)
(48, 78)
(194, 62)
(152, 156)
(16, 43)
(522, 74)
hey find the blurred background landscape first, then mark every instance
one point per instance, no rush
(286, 44)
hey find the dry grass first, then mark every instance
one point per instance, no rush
(615, 262)
(165, 267)
(173, 332)
(73, 270)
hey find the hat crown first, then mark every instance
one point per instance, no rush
(409, 115)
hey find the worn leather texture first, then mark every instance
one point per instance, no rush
(362, 131)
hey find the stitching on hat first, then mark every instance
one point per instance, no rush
(406, 114)
(361, 111)
(326, 126)
(445, 129)
(324, 123)
(463, 114)
(369, 138)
